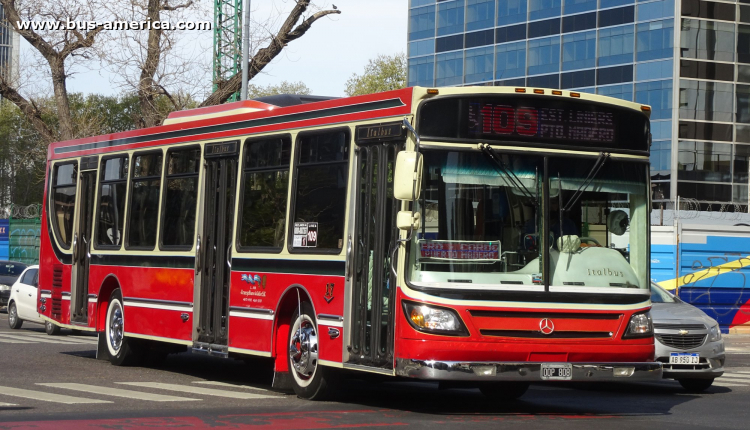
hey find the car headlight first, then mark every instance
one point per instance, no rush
(4, 287)
(714, 335)
(431, 319)
(639, 326)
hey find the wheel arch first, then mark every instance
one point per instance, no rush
(283, 315)
(109, 284)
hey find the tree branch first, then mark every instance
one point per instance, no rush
(28, 108)
(286, 34)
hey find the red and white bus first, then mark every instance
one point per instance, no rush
(488, 237)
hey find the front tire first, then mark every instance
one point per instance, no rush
(310, 380)
(51, 329)
(504, 391)
(13, 321)
(696, 385)
(122, 351)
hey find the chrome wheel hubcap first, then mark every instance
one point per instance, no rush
(115, 328)
(303, 347)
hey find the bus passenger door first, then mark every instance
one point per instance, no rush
(373, 234)
(213, 262)
(82, 236)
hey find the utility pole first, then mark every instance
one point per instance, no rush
(245, 50)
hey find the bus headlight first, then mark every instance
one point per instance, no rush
(430, 319)
(714, 335)
(640, 326)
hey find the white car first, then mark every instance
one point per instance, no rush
(23, 301)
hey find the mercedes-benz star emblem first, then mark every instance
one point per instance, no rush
(546, 326)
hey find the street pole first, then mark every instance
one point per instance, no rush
(245, 50)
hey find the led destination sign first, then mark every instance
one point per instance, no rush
(534, 120)
(545, 122)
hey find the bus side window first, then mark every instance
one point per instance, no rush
(63, 191)
(112, 189)
(320, 195)
(181, 191)
(264, 194)
(144, 200)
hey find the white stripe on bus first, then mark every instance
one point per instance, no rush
(251, 315)
(158, 306)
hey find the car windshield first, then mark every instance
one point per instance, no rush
(11, 269)
(659, 295)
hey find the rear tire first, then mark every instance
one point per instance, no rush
(504, 391)
(51, 329)
(310, 380)
(696, 385)
(122, 351)
(13, 321)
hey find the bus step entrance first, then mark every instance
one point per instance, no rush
(211, 349)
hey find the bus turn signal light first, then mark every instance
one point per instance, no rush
(557, 92)
(520, 90)
(575, 95)
(646, 108)
(433, 91)
(538, 91)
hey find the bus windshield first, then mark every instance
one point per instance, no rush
(483, 222)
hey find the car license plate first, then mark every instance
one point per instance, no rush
(684, 358)
(556, 371)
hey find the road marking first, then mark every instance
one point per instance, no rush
(59, 339)
(228, 385)
(5, 405)
(13, 341)
(728, 384)
(46, 397)
(197, 390)
(737, 377)
(31, 340)
(118, 392)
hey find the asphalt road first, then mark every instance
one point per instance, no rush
(39, 372)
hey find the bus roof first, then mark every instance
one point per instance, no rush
(261, 116)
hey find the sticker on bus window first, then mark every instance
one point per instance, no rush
(459, 250)
(305, 235)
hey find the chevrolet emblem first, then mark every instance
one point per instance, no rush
(683, 331)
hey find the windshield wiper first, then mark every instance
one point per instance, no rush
(510, 177)
(603, 156)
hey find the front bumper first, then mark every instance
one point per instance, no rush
(529, 372)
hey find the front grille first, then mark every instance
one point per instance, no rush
(553, 335)
(680, 326)
(681, 341)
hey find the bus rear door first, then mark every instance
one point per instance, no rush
(82, 237)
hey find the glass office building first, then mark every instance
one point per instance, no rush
(9, 47)
(688, 59)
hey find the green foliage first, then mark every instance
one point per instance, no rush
(384, 73)
(255, 91)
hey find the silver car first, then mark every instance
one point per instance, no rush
(688, 342)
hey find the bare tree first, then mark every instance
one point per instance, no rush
(55, 46)
(289, 31)
(145, 60)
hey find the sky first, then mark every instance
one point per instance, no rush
(332, 50)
